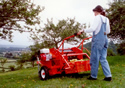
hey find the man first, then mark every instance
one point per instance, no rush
(100, 29)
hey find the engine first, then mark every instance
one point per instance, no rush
(45, 54)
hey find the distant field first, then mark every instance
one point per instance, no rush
(28, 78)
(13, 62)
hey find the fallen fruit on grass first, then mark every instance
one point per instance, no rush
(83, 86)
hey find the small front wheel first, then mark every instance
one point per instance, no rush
(44, 74)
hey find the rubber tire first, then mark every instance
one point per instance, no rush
(46, 72)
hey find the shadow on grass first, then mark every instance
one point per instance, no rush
(76, 75)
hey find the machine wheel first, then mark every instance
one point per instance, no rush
(43, 73)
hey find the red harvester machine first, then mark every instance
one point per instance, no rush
(57, 61)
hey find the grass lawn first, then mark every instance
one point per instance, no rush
(28, 78)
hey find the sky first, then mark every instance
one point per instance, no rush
(81, 10)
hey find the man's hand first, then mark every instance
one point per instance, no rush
(75, 34)
(80, 32)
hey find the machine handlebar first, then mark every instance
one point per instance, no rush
(75, 34)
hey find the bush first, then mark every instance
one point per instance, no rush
(121, 48)
(110, 52)
(12, 67)
(19, 67)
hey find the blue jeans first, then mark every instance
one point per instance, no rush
(99, 54)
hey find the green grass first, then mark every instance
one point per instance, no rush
(28, 78)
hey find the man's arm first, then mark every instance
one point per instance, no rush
(95, 25)
(107, 27)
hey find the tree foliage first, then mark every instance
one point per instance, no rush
(27, 57)
(17, 15)
(52, 34)
(32, 58)
(21, 62)
(116, 14)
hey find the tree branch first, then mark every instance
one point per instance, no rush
(16, 29)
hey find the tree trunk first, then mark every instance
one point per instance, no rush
(57, 46)
(3, 69)
(32, 63)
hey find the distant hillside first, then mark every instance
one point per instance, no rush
(111, 46)
(17, 46)
(8, 48)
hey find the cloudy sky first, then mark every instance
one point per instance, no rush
(81, 10)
